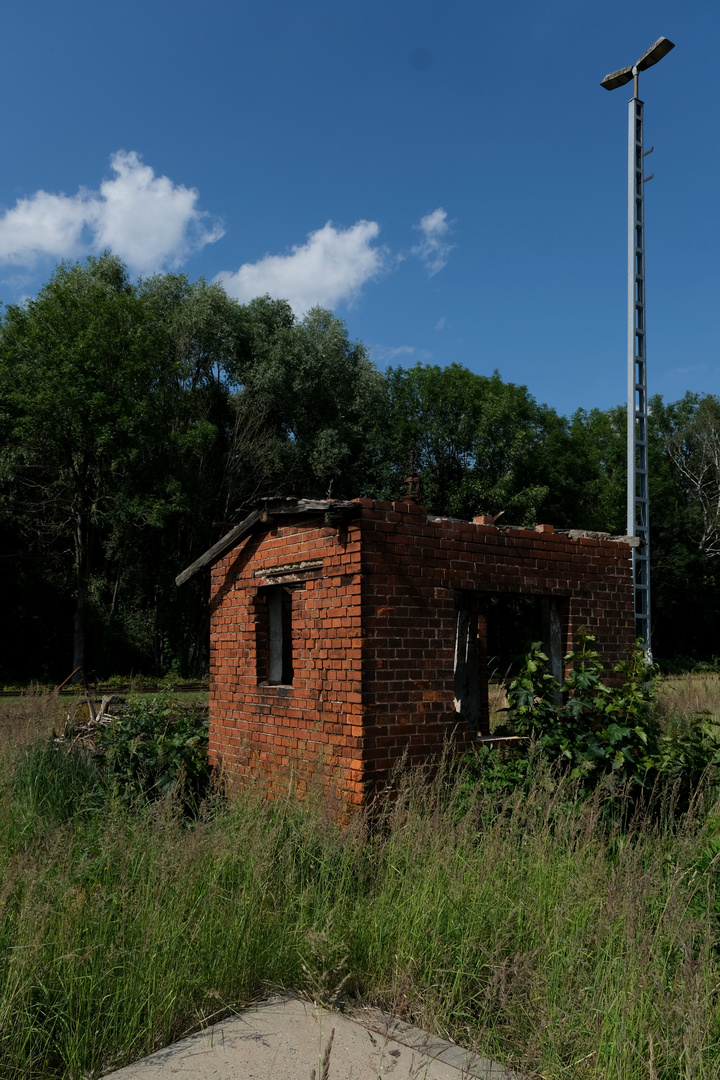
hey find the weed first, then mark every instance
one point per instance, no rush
(154, 747)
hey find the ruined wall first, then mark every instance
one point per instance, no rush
(317, 719)
(415, 568)
(374, 624)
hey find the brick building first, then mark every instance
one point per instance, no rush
(356, 632)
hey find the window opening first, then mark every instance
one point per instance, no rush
(514, 623)
(274, 635)
(554, 619)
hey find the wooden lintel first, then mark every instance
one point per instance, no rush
(306, 566)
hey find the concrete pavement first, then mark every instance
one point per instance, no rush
(292, 1039)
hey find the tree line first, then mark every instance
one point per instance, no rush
(138, 421)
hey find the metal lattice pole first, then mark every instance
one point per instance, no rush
(637, 452)
(638, 519)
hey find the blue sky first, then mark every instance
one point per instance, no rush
(449, 178)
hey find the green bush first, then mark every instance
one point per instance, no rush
(154, 747)
(688, 749)
(711, 667)
(599, 731)
(596, 729)
(498, 772)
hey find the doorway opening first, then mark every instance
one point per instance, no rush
(493, 634)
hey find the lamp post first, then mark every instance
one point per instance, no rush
(637, 410)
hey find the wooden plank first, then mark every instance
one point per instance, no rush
(218, 550)
(313, 506)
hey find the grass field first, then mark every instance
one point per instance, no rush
(532, 929)
(690, 695)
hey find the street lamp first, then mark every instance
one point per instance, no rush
(637, 411)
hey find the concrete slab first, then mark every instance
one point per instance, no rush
(291, 1039)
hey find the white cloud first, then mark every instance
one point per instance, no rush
(386, 353)
(332, 266)
(44, 224)
(440, 324)
(692, 369)
(434, 248)
(149, 221)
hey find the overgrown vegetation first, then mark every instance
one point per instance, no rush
(611, 732)
(593, 727)
(155, 747)
(527, 923)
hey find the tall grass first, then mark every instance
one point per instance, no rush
(529, 928)
(690, 695)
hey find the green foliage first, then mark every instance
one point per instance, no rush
(497, 772)
(115, 428)
(684, 477)
(688, 747)
(594, 468)
(321, 393)
(136, 416)
(153, 748)
(480, 443)
(138, 419)
(595, 728)
(134, 681)
(690, 433)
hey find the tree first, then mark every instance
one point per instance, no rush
(211, 450)
(594, 467)
(123, 440)
(684, 571)
(691, 439)
(76, 368)
(138, 420)
(321, 394)
(480, 443)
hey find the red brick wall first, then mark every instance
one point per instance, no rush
(277, 728)
(412, 567)
(374, 633)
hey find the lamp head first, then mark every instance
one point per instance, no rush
(656, 52)
(617, 78)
